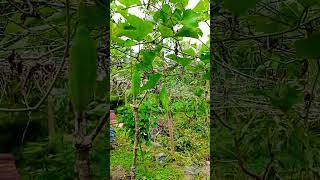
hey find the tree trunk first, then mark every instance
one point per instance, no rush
(82, 146)
(136, 143)
(170, 121)
(82, 165)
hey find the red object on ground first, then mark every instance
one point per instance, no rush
(8, 170)
(113, 120)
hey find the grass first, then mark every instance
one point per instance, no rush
(147, 168)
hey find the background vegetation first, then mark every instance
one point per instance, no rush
(265, 89)
(160, 69)
(39, 41)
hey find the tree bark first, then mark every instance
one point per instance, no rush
(82, 144)
(82, 165)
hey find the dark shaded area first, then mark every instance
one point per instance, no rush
(11, 133)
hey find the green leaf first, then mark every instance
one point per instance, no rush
(46, 11)
(129, 27)
(164, 98)
(182, 61)
(308, 3)
(198, 91)
(139, 28)
(12, 26)
(203, 5)
(205, 57)
(177, 15)
(291, 11)
(82, 71)
(267, 25)
(165, 31)
(239, 7)
(206, 76)
(309, 47)
(148, 57)
(92, 16)
(129, 2)
(190, 52)
(135, 82)
(189, 32)
(190, 19)
(285, 97)
(180, 3)
(152, 82)
(295, 144)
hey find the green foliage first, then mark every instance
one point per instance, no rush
(158, 51)
(146, 120)
(139, 28)
(241, 7)
(266, 70)
(308, 3)
(189, 32)
(164, 98)
(266, 24)
(152, 81)
(12, 127)
(82, 72)
(148, 57)
(183, 61)
(135, 82)
(13, 27)
(93, 16)
(309, 47)
(165, 31)
(129, 2)
(42, 160)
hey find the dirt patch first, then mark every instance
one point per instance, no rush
(118, 173)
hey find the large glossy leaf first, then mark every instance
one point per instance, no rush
(165, 31)
(82, 69)
(148, 57)
(152, 81)
(139, 28)
(164, 98)
(190, 18)
(163, 15)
